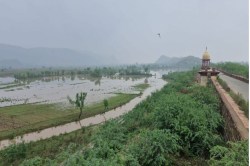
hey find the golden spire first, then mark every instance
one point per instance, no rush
(206, 55)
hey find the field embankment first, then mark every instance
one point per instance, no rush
(20, 119)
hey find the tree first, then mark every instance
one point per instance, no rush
(146, 69)
(106, 104)
(79, 102)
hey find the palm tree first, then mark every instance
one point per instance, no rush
(79, 102)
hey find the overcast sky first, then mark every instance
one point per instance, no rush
(128, 29)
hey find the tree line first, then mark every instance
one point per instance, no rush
(93, 72)
(234, 68)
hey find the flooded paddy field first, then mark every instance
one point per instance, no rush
(56, 89)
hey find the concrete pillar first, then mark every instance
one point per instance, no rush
(203, 81)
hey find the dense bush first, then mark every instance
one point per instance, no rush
(38, 161)
(233, 154)
(152, 147)
(14, 152)
(108, 140)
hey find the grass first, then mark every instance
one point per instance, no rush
(51, 147)
(141, 87)
(56, 145)
(243, 104)
(21, 119)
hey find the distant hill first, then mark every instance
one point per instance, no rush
(180, 62)
(167, 60)
(14, 56)
(7, 63)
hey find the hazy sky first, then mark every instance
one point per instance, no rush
(127, 29)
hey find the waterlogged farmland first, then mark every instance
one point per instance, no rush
(97, 119)
(56, 89)
(43, 102)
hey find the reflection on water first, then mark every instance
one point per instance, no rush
(155, 84)
(55, 89)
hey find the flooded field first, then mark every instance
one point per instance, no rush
(155, 82)
(56, 89)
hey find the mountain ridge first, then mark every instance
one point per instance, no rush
(45, 56)
(182, 62)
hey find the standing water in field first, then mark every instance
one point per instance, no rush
(155, 83)
(56, 89)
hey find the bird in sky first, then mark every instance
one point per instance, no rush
(159, 35)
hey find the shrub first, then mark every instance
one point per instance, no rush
(151, 147)
(236, 153)
(14, 152)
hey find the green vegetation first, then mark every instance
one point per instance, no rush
(231, 155)
(35, 73)
(14, 153)
(4, 99)
(178, 125)
(141, 87)
(79, 102)
(24, 74)
(48, 148)
(20, 119)
(243, 104)
(135, 70)
(234, 68)
(106, 104)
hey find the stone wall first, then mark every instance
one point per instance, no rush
(236, 124)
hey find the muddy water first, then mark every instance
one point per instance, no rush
(56, 89)
(155, 84)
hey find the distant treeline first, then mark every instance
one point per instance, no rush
(234, 68)
(93, 72)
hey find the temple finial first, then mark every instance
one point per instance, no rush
(206, 48)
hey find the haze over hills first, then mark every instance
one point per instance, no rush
(17, 57)
(182, 62)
